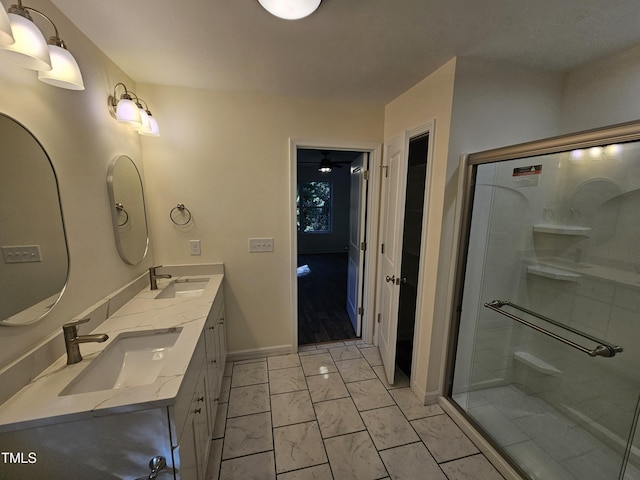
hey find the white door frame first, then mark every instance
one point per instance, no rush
(371, 228)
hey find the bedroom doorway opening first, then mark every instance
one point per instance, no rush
(331, 210)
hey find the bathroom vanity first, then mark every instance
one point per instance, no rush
(151, 390)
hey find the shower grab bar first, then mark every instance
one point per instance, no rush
(603, 349)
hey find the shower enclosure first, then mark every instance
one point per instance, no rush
(545, 351)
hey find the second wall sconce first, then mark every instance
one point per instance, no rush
(22, 42)
(128, 109)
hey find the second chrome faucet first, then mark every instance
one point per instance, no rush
(153, 277)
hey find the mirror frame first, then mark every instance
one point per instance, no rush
(114, 211)
(6, 322)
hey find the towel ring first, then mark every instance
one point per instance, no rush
(120, 208)
(182, 209)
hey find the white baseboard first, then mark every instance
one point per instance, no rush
(259, 352)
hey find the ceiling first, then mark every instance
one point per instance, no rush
(365, 50)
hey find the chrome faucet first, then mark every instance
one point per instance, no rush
(72, 340)
(153, 277)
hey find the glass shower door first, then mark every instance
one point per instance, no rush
(547, 363)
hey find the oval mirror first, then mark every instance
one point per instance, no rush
(127, 210)
(35, 258)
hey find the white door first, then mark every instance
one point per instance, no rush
(391, 228)
(357, 203)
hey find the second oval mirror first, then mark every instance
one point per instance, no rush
(128, 210)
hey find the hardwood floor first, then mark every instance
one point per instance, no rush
(322, 299)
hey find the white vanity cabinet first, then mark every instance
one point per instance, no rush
(193, 416)
(216, 354)
(93, 436)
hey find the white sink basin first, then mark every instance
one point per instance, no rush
(130, 360)
(188, 287)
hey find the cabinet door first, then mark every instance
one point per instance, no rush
(193, 450)
(201, 423)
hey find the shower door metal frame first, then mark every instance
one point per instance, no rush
(620, 133)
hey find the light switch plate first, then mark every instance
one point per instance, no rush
(21, 253)
(195, 247)
(258, 245)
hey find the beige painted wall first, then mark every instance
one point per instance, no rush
(81, 138)
(226, 157)
(430, 99)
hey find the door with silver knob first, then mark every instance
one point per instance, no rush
(390, 256)
(401, 234)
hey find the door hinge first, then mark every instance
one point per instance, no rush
(386, 170)
(382, 248)
(363, 246)
(379, 317)
(360, 310)
(365, 174)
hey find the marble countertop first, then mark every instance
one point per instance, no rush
(39, 403)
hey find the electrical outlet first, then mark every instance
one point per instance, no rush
(260, 245)
(195, 247)
(21, 254)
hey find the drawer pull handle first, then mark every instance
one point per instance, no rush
(200, 399)
(197, 410)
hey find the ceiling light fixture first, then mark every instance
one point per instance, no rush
(290, 9)
(54, 63)
(325, 166)
(131, 112)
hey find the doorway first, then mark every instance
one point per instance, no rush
(403, 202)
(330, 215)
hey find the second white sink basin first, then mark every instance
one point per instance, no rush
(131, 359)
(187, 287)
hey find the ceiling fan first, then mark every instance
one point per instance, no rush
(326, 165)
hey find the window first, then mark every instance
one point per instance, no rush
(314, 207)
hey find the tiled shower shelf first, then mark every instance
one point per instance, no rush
(562, 229)
(554, 273)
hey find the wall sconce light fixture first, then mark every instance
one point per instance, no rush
(128, 109)
(55, 65)
(6, 35)
(290, 9)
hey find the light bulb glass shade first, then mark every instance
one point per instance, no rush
(127, 112)
(30, 49)
(144, 121)
(65, 72)
(153, 131)
(6, 35)
(325, 169)
(290, 9)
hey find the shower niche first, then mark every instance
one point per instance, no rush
(545, 361)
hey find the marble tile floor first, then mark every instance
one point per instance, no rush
(327, 413)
